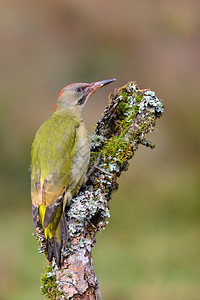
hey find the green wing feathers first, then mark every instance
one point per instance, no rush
(52, 154)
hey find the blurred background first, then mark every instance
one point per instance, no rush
(151, 246)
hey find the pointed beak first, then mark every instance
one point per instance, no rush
(94, 86)
(97, 85)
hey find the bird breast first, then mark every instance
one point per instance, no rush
(81, 159)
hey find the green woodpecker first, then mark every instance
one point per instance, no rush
(59, 161)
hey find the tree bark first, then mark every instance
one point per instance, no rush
(130, 115)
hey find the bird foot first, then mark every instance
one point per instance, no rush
(95, 166)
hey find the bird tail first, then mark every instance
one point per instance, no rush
(54, 244)
(56, 233)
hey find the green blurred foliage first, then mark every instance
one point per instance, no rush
(150, 249)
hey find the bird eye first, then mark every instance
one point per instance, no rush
(78, 90)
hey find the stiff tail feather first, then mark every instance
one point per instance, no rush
(55, 231)
(54, 244)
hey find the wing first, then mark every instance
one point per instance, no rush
(52, 156)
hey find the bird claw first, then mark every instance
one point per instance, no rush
(95, 166)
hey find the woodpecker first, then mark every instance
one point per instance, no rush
(60, 156)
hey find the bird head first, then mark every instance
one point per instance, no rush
(77, 94)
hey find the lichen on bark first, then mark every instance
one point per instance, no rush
(129, 116)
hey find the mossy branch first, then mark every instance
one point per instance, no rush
(130, 115)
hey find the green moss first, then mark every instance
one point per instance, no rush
(123, 107)
(117, 149)
(49, 286)
(128, 108)
(93, 156)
